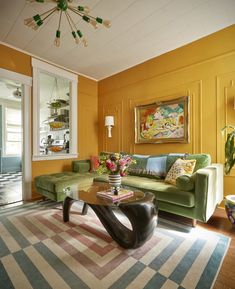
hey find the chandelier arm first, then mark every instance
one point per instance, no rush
(60, 20)
(49, 14)
(48, 11)
(79, 33)
(75, 11)
(71, 19)
(71, 27)
(81, 14)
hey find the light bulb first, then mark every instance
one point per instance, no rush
(84, 42)
(75, 37)
(86, 9)
(29, 21)
(106, 23)
(93, 23)
(35, 26)
(57, 42)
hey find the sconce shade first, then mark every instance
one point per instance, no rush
(109, 120)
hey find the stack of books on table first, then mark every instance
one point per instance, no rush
(122, 194)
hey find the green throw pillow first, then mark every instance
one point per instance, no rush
(186, 182)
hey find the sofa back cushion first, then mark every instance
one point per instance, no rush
(202, 160)
(149, 166)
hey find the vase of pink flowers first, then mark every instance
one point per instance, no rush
(116, 166)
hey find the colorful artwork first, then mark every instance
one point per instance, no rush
(162, 122)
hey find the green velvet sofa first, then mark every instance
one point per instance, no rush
(195, 197)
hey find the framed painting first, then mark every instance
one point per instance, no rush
(163, 122)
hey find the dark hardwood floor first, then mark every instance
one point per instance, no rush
(220, 223)
(217, 223)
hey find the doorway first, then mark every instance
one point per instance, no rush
(11, 137)
(15, 137)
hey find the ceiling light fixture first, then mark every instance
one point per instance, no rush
(64, 7)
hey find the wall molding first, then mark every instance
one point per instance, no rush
(225, 93)
(194, 91)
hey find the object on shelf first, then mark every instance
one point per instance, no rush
(58, 103)
(57, 125)
(55, 149)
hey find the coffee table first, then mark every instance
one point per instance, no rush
(140, 209)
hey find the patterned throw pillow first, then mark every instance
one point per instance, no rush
(179, 168)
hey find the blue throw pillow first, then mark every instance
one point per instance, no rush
(149, 166)
(156, 166)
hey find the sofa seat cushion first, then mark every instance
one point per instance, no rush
(57, 182)
(163, 191)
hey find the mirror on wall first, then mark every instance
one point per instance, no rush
(55, 115)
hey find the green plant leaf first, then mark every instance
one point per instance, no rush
(229, 149)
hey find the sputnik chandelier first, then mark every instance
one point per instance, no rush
(64, 7)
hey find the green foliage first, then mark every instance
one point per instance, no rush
(229, 149)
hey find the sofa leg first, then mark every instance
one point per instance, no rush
(194, 223)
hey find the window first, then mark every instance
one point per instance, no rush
(54, 112)
(13, 131)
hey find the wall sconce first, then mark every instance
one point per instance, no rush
(109, 123)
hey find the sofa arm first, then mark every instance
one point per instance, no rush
(208, 190)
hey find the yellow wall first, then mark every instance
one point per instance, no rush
(204, 70)
(87, 113)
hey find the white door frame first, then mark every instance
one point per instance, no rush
(26, 82)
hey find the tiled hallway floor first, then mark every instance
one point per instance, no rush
(10, 187)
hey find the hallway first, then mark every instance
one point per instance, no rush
(10, 187)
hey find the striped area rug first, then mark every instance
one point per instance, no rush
(38, 250)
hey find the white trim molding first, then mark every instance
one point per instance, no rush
(40, 66)
(26, 82)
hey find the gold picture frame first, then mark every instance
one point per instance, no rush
(163, 122)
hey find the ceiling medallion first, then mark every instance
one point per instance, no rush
(65, 9)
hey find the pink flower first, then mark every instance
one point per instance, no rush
(111, 166)
(122, 162)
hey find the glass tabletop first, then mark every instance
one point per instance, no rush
(88, 194)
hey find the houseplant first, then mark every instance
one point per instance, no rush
(228, 165)
(116, 166)
(229, 148)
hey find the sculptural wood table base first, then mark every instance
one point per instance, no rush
(141, 213)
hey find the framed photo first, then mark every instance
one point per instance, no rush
(163, 122)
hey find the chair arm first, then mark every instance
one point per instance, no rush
(208, 190)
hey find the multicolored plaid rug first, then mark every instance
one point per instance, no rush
(38, 250)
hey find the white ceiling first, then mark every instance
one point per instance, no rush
(141, 29)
